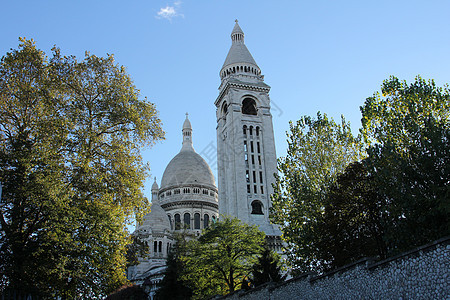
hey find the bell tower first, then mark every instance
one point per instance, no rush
(245, 139)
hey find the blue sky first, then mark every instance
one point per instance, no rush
(323, 56)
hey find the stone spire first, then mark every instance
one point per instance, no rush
(239, 60)
(155, 190)
(187, 135)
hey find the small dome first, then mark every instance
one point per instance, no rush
(156, 219)
(187, 167)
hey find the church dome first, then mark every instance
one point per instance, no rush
(187, 167)
(156, 219)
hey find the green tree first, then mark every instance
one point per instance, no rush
(172, 286)
(408, 128)
(351, 226)
(219, 261)
(318, 150)
(267, 268)
(71, 133)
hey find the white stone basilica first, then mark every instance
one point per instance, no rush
(188, 198)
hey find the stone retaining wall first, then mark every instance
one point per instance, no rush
(423, 273)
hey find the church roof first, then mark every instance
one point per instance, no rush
(187, 167)
(238, 52)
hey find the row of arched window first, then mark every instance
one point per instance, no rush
(188, 190)
(158, 248)
(240, 69)
(186, 224)
(250, 130)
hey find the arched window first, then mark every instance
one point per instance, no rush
(160, 247)
(196, 221)
(187, 220)
(257, 208)
(257, 131)
(244, 130)
(205, 221)
(177, 221)
(170, 221)
(249, 106)
(196, 191)
(224, 108)
(155, 246)
(251, 130)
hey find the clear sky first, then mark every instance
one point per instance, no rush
(323, 56)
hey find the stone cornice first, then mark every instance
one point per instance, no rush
(241, 85)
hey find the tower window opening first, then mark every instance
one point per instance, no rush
(245, 146)
(257, 208)
(254, 177)
(176, 191)
(196, 191)
(244, 130)
(246, 160)
(262, 190)
(160, 247)
(260, 177)
(257, 147)
(205, 192)
(196, 221)
(257, 131)
(253, 159)
(249, 106)
(205, 221)
(247, 177)
(248, 188)
(251, 130)
(255, 190)
(186, 190)
(259, 159)
(177, 221)
(155, 246)
(251, 146)
(187, 220)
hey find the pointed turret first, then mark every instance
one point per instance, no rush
(239, 60)
(155, 190)
(187, 135)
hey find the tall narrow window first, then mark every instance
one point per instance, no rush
(255, 190)
(205, 221)
(187, 220)
(253, 159)
(160, 247)
(155, 246)
(262, 190)
(196, 221)
(254, 177)
(244, 130)
(257, 146)
(260, 177)
(247, 177)
(245, 146)
(257, 131)
(251, 146)
(251, 130)
(248, 188)
(259, 159)
(177, 221)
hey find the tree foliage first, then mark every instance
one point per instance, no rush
(267, 268)
(70, 139)
(408, 128)
(351, 226)
(172, 286)
(318, 150)
(219, 261)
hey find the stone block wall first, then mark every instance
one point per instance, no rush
(423, 273)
